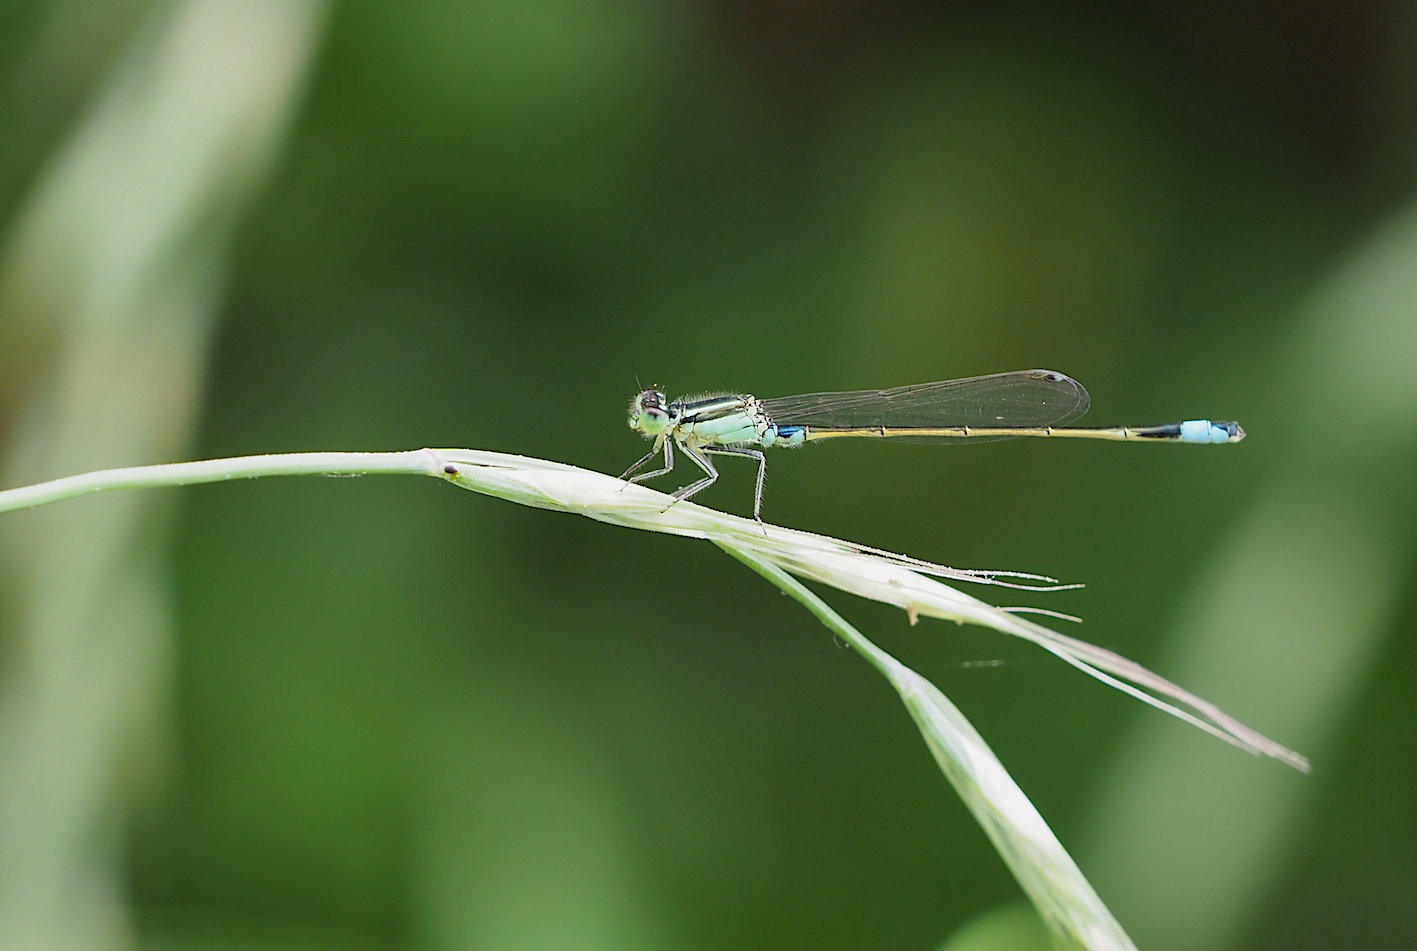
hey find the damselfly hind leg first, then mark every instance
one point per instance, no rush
(762, 473)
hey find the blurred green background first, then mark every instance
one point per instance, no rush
(382, 714)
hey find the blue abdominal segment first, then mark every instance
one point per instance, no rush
(787, 436)
(1204, 431)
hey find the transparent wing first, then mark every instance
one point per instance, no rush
(1023, 398)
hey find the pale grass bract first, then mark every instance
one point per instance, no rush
(1059, 891)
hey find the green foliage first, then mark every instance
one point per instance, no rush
(372, 714)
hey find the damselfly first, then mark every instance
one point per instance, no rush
(977, 409)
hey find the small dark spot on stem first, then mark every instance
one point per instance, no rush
(451, 470)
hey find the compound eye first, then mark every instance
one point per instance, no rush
(653, 420)
(649, 413)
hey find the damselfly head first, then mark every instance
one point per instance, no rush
(649, 413)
